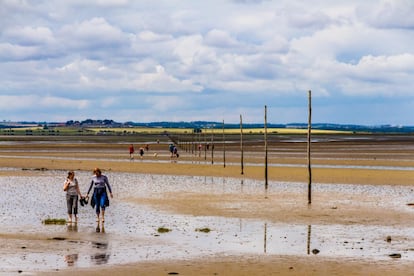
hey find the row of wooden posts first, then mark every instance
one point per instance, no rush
(309, 168)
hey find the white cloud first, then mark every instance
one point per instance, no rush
(220, 38)
(149, 36)
(165, 103)
(10, 52)
(29, 35)
(390, 14)
(30, 102)
(91, 35)
(246, 53)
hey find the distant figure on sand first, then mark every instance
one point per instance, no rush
(175, 152)
(171, 148)
(131, 151)
(141, 152)
(100, 196)
(71, 187)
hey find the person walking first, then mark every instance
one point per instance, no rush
(131, 152)
(141, 152)
(171, 148)
(100, 198)
(71, 187)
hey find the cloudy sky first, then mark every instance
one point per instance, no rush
(187, 60)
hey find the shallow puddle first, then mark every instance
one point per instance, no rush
(130, 231)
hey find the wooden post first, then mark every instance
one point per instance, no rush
(205, 145)
(212, 145)
(192, 143)
(241, 144)
(199, 142)
(224, 148)
(265, 140)
(309, 148)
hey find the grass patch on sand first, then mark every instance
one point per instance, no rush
(163, 230)
(54, 221)
(204, 230)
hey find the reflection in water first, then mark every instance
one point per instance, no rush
(72, 227)
(245, 236)
(71, 259)
(102, 256)
(309, 238)
(99, 228)
(241, 185)
(265, 237)
(100, 245)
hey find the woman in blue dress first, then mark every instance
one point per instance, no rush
(100, 196)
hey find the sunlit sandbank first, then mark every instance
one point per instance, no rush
(353, 212)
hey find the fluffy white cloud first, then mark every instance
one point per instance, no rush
(390, 14)
(118, 54)
(36, 102)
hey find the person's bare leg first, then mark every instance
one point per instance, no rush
(103, 216)
(70, 218)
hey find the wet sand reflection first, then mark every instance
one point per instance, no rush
(129, 231)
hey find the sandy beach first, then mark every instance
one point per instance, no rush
(369, 161)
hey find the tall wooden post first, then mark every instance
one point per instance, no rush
(309, 147)
(205, 145)
(265, 140)
(224, 148)
(241, 144)
(192, 143)
(212, 145)
(199, 142)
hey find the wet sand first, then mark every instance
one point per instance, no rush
(378, 162)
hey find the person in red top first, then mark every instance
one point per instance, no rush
(131, 151)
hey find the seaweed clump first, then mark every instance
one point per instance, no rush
(163, 230)
(55, 221)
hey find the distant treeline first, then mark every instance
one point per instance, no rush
(211, 124)
(322, 126)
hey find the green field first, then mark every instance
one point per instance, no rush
(73, 131)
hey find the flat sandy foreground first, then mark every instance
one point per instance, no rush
(326, 208)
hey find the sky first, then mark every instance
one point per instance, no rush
(195, 60)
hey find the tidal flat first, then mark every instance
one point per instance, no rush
(361, 219)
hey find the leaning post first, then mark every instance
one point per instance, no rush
(224, 148)
(265, 140)
(212, 145)
(241, 144)
(309, 147)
